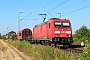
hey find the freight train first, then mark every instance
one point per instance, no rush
(54, 32)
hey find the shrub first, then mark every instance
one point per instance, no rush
(86, 52)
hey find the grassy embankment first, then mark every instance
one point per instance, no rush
(39, 52)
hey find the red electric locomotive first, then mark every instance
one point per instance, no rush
(55, 31)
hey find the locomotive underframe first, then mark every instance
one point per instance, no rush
(62, 41)
(55, 41)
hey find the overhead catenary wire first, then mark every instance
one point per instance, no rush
(69, 6)
(58, 5)
(27, 24)
(76, 10)
(26, 16)
(45, 7)
(74, 4)
(48, 4)
(36, 11)
(53, 8)
(50, 14)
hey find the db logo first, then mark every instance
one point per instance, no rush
(62, 31)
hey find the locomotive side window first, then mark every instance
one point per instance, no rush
(49, 25)
(57, 24)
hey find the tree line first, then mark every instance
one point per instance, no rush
(82, 34)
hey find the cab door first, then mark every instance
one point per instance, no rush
(48, 28)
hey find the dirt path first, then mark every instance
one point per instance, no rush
(8, 52)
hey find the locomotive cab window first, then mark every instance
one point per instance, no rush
(66, 24)
(57, 24)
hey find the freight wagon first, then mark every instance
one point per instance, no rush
(25, 34)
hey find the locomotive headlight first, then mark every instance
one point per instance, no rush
(57, 31)
(69, 32)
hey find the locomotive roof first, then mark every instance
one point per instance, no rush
(41, 23)
(49, 20)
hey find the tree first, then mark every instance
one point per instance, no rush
(88, 33)
(82, 32)
(0, 36)
(11, 32)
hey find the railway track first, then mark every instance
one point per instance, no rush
(72, 50)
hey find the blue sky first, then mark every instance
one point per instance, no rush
(78, 11)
